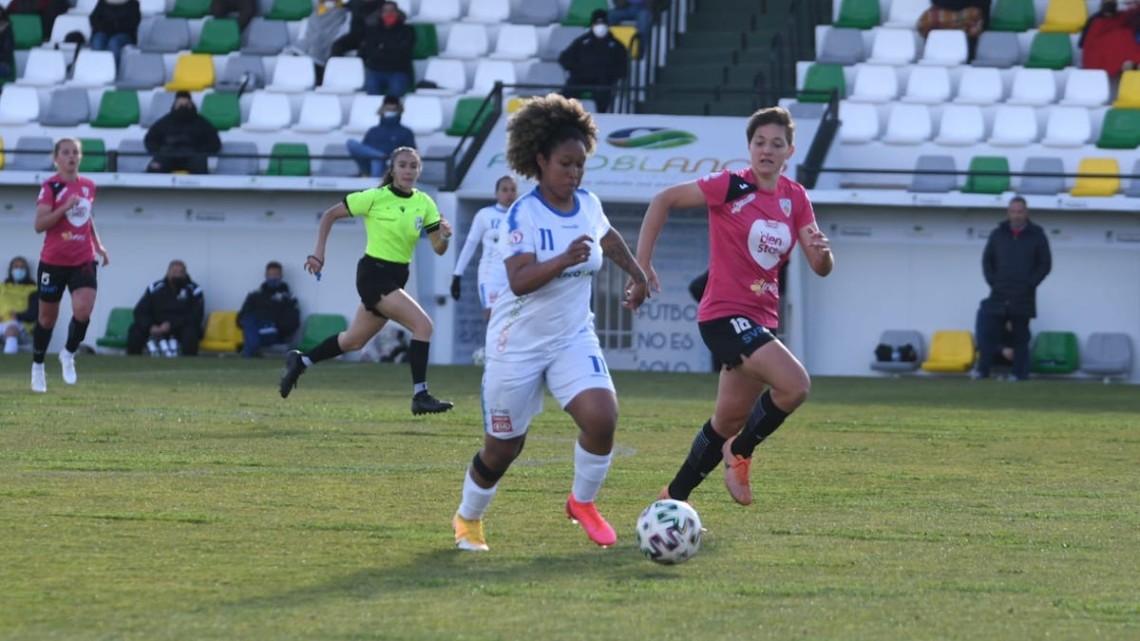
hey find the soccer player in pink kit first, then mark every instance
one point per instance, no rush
(63, 215)
(756, 215)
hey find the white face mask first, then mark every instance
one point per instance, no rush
(600, 30)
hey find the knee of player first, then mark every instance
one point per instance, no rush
(791, 396)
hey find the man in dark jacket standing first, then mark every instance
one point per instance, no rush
(1016, 260)
(182, 139)
(387, 51)
(168, 317)
(593, 62)
(269, 314)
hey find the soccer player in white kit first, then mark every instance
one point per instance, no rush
(541, 328)
(485, 230)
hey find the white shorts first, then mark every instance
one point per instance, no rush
(512, 390)
(489, 291)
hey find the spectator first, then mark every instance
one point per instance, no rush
(114, 25)
(594, 62)
(362, 12)
(19, 306)
(182, 139)
(321, 31)
(387, 51)
(970, 16)
(371, 154)
(269, 314)
(168, 317)
(7, 48)
(1015, 262)
(243, 8)
(47, 10)
(1108, 39)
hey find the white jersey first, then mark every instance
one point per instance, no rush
(538, 324)
(485, 230)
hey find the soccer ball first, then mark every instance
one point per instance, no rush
(479, 356)
(669, 532)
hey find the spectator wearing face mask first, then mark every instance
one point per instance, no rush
(168, 317)
(19, 305)
(387, 52)
(182, 139)
(594, 62)
(371, 154)
(269, 314)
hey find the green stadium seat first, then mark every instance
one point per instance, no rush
(1120, 129)
(191, 9)
(118, 324)
(987, 175)
(117, 109)
(859, 14)
(1055, 353)
(219, 37)
(820, 80)
(1012, 15)
(222, 109)
(288, 159)
(464, 120)
(318, 327)
(427, 41)
(27, 30)
(94, 156)
(578, 15)
(1050, 51)
(290, 10)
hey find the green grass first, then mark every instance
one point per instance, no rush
(185, 500)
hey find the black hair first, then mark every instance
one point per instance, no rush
(543, 123)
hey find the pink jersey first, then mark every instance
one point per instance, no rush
(751, 234)
(70, 241)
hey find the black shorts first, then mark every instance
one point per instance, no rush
(733, 338)
(377, 278)
(53, 279)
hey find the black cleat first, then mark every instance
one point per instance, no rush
(424, 403)
(294, 367)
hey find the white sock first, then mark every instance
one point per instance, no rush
(589, 473)
(11, 346)
(475, 498)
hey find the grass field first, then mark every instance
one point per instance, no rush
(184, 499)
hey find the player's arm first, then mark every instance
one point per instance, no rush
(526, 274)
(817, 249)
(440, 237)
(47, 217)
(637, 289)
(98, 244)
(679, 196)
(316, 261)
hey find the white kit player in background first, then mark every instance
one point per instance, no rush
(486, 229)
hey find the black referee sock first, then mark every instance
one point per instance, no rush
(41, 338)
(418, 359)
(76, 332)
(329, 348)
(704, 457)
(764, 419)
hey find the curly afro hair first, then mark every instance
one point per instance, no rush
(543, 123)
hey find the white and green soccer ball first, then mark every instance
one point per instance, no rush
(669, 532)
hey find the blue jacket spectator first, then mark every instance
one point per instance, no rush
(371, 154)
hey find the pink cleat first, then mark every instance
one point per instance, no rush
(596, 527)
(736, 474)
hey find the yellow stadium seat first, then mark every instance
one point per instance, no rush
(1128, 95)
(1, 153)
(514, 104)
(624, 35)
(950, 351)
(1107, 184)
(1065, 16)
(192, 72)
(222, 333)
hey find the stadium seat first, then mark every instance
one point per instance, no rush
(219, 36)
(436, 160)
(320, 114)
(222, 109)
(67, 107)
(27, 30)
(875, 83)
(950, 351)
(45, 68)
(626, 35)
(439, 11)
(908, 125)
(362, 114)
(19, 105)
(980, 86)
(118, 109)
(343, 75)
(1055, 353)
(1133, 189)
(468, 119)
(961, 126)
(934, 183)
(160, 103)
(488, 72)
(550, 76)
(241, 73)
(167, 34)
(292, 74)
(222, 333)
(31, 153)
(859, 123)
(67, 23)
(192, 72)
(149, 8)
(928, 85)
(842, 47)
(466, 42)
(1097, 177)
(140, 70)
(1120, 129)
(268, 112)
(1107, 354)
(1035, 87)
(94, 156)
(264, 37)
(1050, 184)
(318, 327)
(894, 46)
(895, 339)
(238, 158)
(1128, 93)
(945, 47)
(290, 10)
(987, 175)
(189, 9)
(488, 11)
(288, 159)
(93, 69)
(859, 14)
(422, 114)
(1065, 16)
(1069, 127)
(427, 41)
(118, 325)
(534, 13)
(1012, 15)
(335, 162)
(516, 42)
(578, 14)
(449, 76)
(905, 13)
(1050, 51)
(131, 156)
(557, 40)
(1000, 49)
(1087, 88)
(820, 81)
(1013, 126)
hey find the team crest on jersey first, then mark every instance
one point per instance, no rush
(419, 222)
(79, 213)
(516, 237)
(786, 206)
